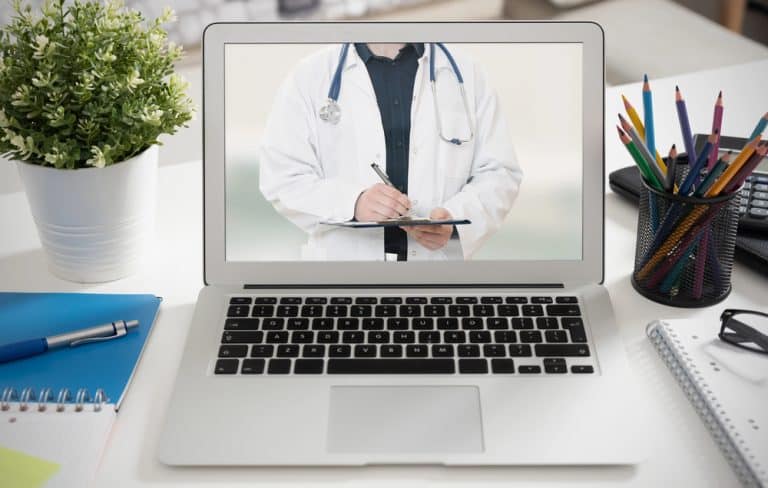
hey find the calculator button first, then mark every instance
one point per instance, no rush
(759, 213)
(745, 193)
(762, 186)
(760, 195)
(742, 210)
(760, 179)
(759, 203)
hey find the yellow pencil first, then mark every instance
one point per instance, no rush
(640, 128)
(733, 168)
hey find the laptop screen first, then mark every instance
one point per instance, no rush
(403, 152)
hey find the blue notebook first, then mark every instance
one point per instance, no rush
(107, 365)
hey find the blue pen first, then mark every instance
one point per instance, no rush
(33, 347)
(695, 171)
(650, 137)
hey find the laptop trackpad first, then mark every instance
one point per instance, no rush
(414, 419)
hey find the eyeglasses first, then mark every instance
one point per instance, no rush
(746, 329)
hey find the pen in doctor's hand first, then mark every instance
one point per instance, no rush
(382, 175)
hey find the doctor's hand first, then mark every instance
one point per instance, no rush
(381, 202)
(433, 237)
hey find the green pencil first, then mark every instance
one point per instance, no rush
(641, 164)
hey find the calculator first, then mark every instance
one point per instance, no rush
(753, 211)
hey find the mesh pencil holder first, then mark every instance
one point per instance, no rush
(685, 245)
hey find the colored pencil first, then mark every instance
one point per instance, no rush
(638, 158)
(694, 173)
(650, 137)
(712, 176)
(640, 128)
(760, 127)
(669, 182)
(698, 269)
(748, 168)
(717, 122)
(643, 150)
(677, 269)
(733, 168)
(685, 125)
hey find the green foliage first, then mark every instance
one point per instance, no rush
(87, 84)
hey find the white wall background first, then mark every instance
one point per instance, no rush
(539, 87)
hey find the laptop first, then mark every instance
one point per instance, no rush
(490, 341)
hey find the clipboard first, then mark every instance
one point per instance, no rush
(401, 222)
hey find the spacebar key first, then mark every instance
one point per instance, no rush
(391, 366)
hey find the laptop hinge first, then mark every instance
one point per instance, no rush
(419, 286)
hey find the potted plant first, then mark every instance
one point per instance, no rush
(86, 89)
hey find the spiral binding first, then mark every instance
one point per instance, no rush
(689, 385)
(45, 400)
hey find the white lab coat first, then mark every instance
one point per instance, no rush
(313, 171)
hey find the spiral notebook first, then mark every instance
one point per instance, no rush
(57, 408)
(727, 386)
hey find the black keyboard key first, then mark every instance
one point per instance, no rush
(312, 311)
(340, 351)
(503, 366)
(473, 366)
(471, 323)
(458, 310)
(494, 350)
(365, 351)
(353, 337)
(582, 369)
(313, 351)
(241, 324)
(495, 323)
(530, 336)
(240, 301)
(316, 300)
(242, 337)
(372, 323)
(491, 300)
(517, 300)
(504, 336)
(556, 336)
(265, 300)
(252, 366)
(520, 323)
(385, 310)
(416, 351)
(576, 328)
(366, 300)
(404, 337)
(397, 324)
(328, 337)
(308, 366)
(262, 351)
(423, 323)
(226, 366)
(279, 366)
(566, 300)
(391, 300)
(277, 337)
(361, 310)
(273, 324)
(391, 366)
(533, 310)
(529, 369)
(336, 310)
(298, 324)
(447, 323)
(508, 310)
(416, 300)
(238, 311)
(233, 351)
(429, 337)
(562, 350)
(479, 336)
(441, 300)
(290, 301)
(555, 366)
(410, 310)
(303, 337)
(469, 351)
(263, 311)
(434, 310)
(564, 310)
(347, 324)
(520, 350)
(546, 323)
(541, 299)
(455, 336)
(322, 324)
(466, 300)
(483, 310)
(378, 337)
(287, 351)
(391, 351)
(341, 300)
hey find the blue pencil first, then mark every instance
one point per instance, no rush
(695, 170)
(760, 127)
(650, 137)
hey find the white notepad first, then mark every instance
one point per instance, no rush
(728, 387)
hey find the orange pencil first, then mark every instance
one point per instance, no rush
(733, 168)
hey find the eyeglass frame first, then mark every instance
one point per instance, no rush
(728, 315)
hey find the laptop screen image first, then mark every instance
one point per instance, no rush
(351, 152)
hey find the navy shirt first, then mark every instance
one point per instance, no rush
(393, 81)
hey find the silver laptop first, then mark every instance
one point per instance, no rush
(403, 251)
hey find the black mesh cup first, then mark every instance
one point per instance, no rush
(685, 245)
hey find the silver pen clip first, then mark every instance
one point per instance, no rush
(120, 330)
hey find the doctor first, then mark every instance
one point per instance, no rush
(348, 106)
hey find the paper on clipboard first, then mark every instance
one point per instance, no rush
(400, 222)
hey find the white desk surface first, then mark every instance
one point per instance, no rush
(683, 453)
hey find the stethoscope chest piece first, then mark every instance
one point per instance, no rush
(330, 112)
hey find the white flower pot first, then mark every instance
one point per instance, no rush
(94, 223)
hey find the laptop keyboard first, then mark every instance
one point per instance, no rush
(266, 335)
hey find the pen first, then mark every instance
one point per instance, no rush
(33, 347)
(382, 175)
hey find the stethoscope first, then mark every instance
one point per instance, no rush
(331, 112)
